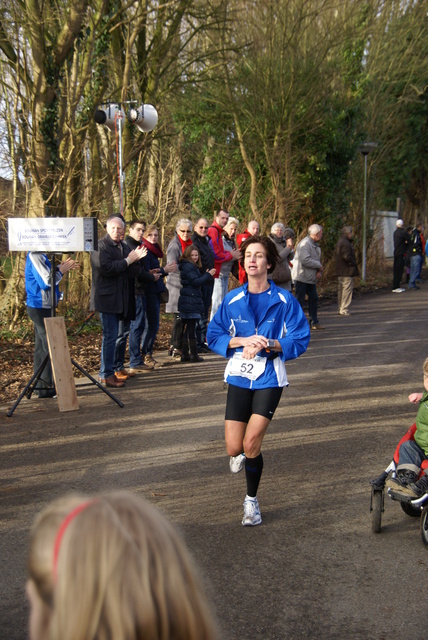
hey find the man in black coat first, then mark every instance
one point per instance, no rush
(136, 328)
(346, 270)
(401, 244)
(201, 240)
(113, 271)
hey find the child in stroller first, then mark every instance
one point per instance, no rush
(413, 452)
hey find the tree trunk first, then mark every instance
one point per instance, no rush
(12, 301)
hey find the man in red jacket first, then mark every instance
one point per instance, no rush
(220, 255)
(253, 229)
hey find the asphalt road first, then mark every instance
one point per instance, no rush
(313, 569)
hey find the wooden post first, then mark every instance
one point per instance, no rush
(61, 364)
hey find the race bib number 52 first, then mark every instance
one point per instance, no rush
(251, 369)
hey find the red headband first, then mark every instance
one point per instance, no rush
(62, 529)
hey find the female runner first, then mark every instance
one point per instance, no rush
(258, 327)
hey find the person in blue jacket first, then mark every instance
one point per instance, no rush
(258, 327)
(39, 306)
(191, 302)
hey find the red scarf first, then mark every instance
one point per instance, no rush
(184, 243)
(154, 248)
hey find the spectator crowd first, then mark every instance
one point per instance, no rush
(129, 284)
(132, 277)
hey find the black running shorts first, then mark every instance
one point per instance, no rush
(242, 403)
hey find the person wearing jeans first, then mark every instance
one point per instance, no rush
(152, 324)
(415, 262)
(110, 324)
(415, 250)
(136, 327)
(153, 293)
(113, 271)
(136, 334)
(303, 289)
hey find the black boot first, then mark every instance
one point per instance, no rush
(177, 333)
(420, 487)
(194, 357)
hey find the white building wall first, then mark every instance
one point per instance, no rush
(383, 225)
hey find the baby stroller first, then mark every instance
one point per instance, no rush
(414, 507)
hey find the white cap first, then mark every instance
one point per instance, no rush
(399, 223)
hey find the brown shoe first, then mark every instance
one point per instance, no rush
(127, 372)
(112, 381)
(121, 375)
(149, 361)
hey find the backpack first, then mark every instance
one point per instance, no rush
(415, 243)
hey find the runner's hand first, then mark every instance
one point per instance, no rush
(255, 341)
(250, 352)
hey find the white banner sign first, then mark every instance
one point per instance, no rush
(58, 235)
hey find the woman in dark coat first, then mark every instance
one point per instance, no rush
(190, 303)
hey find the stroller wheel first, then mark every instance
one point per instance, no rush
(376, 509)
(424, 526)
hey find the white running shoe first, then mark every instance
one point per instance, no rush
(236, 463)
(252, 516)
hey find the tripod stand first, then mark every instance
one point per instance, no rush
(30, 386)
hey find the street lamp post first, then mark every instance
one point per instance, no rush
(365, 149)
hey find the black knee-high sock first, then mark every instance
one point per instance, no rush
(253, 473)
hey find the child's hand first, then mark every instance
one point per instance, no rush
(415, 397)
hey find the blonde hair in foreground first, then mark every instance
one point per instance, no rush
(122, 573)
